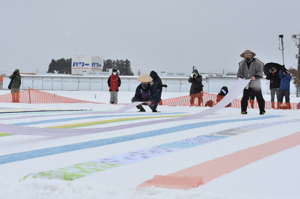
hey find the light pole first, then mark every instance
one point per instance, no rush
(296, 39)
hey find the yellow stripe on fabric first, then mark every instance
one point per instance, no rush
(4, 134)
(110, 121)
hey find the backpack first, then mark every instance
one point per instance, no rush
(10, 83)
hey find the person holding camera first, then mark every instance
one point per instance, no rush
(251, 68)
(15, 86)
(284, 88)
(274, 78)
(196, 87)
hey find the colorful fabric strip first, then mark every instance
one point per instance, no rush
(148, 153)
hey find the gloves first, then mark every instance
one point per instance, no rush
(165, 85)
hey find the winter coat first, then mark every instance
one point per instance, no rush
(197, 86)
(148, 94)
(255, 69)
(156, 80)
(114, 82)
(284, 81)
(274, 80)
(17, 79)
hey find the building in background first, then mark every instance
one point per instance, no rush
(83, 65)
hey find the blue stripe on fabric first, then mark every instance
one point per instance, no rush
(97, 143)
(90, 117)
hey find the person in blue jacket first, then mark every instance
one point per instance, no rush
(146, 92)
(284, 88)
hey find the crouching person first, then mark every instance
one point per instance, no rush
(146, 92)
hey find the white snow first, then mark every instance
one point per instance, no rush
(274, 177)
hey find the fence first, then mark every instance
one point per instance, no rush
(129, 83)
(202, 99)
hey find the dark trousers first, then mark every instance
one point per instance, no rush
(255, 92)
(273, 92)
(153, 106)
(286, 94)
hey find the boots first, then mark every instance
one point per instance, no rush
(141, 108)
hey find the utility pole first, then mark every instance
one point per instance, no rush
(296, 39)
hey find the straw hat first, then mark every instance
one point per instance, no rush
(247, 52)
(144, 78)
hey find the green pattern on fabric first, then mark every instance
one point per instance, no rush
(4, 134)
(73, 172)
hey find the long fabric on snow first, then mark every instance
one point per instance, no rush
(22, 130)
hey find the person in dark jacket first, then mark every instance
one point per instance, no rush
(157, 82)
(15, 86)
(146, 92)
(114, 82)
(196, 87)
(284, 88)
(274, 78)
(251, 68)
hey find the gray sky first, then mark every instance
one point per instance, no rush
(161, 35)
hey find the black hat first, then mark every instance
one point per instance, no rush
(114, 70)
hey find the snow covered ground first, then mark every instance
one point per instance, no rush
(276, 176)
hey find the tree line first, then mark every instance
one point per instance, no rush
(61, 66)
(64, 66)
(122, 66)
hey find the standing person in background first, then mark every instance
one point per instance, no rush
(274, 78)
(196, 87)
(114, 82)
(157, 82)
(284, 89)
(251, 68)
(15, 86)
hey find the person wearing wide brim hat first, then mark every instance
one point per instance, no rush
(146, 92)
(144, 78)
(251, 68)
(249, 52)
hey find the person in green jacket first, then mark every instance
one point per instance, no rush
(15, 86)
